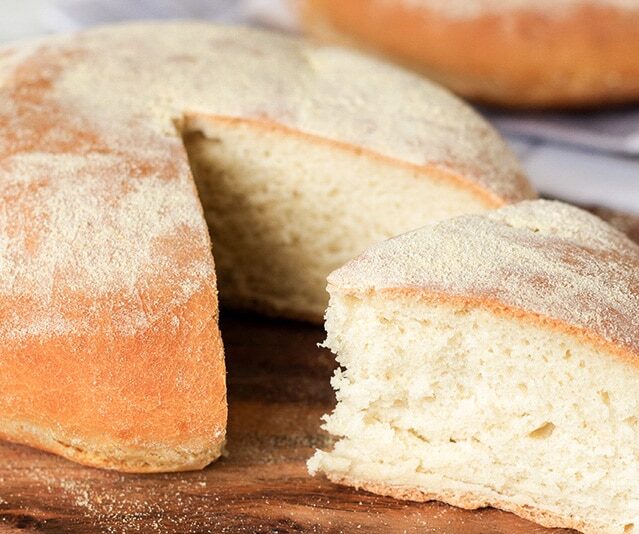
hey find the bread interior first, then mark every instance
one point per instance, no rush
(285, 209)
(450, 402)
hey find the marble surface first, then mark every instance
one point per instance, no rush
(589, 158)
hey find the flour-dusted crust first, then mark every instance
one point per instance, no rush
(473, 498)
(242, 74)
(541, 261)
(522, 53)
(111, 354)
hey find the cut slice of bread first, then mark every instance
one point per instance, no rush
(493, 361)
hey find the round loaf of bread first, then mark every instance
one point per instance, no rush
(302, 157)
(519, 53)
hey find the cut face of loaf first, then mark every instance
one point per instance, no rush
(492, 361)
(110, 352)
(285, 209)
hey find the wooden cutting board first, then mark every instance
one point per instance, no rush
(278, 389)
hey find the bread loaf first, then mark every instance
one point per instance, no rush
(110, 351)
(519, 53)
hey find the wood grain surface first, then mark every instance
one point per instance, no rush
(278, 389)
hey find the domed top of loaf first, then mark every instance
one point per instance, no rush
(540, 259)
(91, 159)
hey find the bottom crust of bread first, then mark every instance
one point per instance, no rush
(143, 459)
(475, 497)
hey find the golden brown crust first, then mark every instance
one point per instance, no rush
(151, 401)
(111, 352)
(577, 56)
(470, 500)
